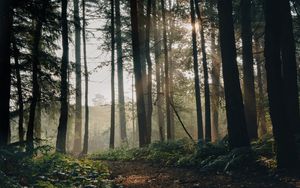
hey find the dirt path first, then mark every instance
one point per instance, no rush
(147, 175)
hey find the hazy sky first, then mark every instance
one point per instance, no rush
(99, 81)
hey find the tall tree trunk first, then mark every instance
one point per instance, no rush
(237, 128)
(86, 74)
(248, 70)
(171, 68)
(215, 92)
(261, 108)
(38, 119)
(282, 127)
(149, 64)
(112, 116)
(138, 74)
(205, 71)
(16, 54)
(121, 99)
(142, 41)
(36, 92)
(5, 70)
(215, 74)
(170, 136)
(157, 53)
(63, 119)
(288, 51)
(196, 72)
(78, 99)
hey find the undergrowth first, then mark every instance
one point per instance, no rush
(43, 168)
(184, 153)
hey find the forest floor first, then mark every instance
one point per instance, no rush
(140, 174)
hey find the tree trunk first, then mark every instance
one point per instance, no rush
(120, 74)
(78, 105)
(112, 116)
(205, 70)
(86, 74)
(237, 128)
(196, 72)
(142, 41)
(36, 92)
(248, 70)
(16, 54)
(170, 136)
(215, 92)
(282, 129)
(261, 108)
(171, 68)
(157, 53)
(63, 119)
(289, 67)
(138, 74)
(5, 77)
(149, 64)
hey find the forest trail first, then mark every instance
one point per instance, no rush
(137, 174)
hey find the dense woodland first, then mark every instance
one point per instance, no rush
(208, 78)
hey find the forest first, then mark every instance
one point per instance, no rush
(149, 93)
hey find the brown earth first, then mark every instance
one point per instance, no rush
(138, 174)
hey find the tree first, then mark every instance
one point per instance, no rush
(86, 75)
(5, 70)
(141, 114)
(121, 100)
(158, 66)
(112, 116)
(248, 70)
(276, 14)
(170, 133)
(261, 112)
(78, 99)
(36, 93)
(215, 72)
(196, 72)
(288, 53)
(149, 65)
(237, 129)
(62, 127)
(16, 54)
(205, 71)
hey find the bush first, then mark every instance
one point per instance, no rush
(46, 169)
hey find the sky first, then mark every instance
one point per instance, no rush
(100, 78)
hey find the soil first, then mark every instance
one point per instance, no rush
(139, 174)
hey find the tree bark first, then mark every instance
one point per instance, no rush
(16, 54)
(282, 128)
(248, 70)
(63, 119)
(138, 74)
(288, 50)
(237, 128)
(36, 92)
(205, 71)
(86, 74)
(260, 77)
(121, 99)
(78, 100)
(149, 65)
(5, 70)
(196, 72)
(215, 92)
(157, 53)
(112, 116)
(170, 136)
